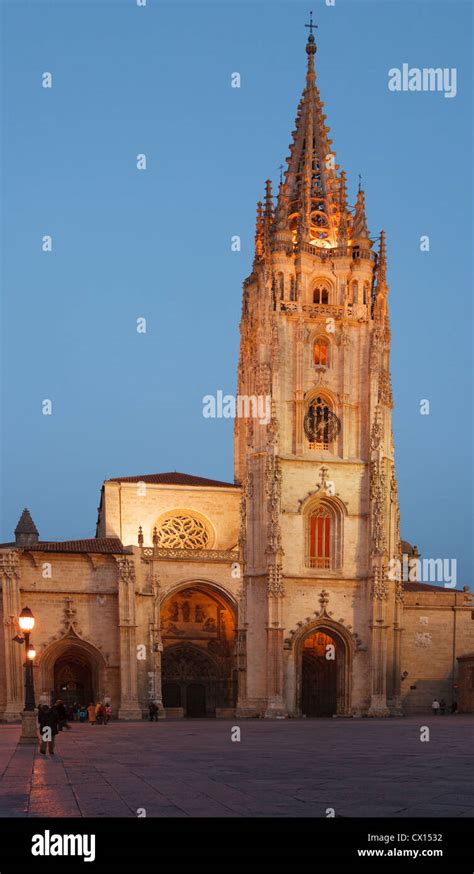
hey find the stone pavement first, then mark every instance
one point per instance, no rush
(359, 767)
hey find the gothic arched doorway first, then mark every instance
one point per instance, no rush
(74, 670)
(324, 674)
(198, 673)
(191, 681)
(73, 679)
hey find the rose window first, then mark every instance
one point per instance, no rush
(182, 532)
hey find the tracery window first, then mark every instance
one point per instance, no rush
(182, 531)
(324, 524)
(321, 294)
(320, 543)
(320, 351)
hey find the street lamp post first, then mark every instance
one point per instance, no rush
(26, 621)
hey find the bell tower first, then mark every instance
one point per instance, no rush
(319, 515)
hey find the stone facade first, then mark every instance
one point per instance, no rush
(272, 596)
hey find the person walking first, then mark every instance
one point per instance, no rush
(62, 715)
(153, 711)
(99, 713)
(442, 706)
(91, 714)
(435, 707)
(82, 713)
(108, 712)
(48, 727)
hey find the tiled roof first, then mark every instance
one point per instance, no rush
(173, 478)
(426, 587)
(104, 545)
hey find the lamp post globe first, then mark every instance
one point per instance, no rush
(26, 621)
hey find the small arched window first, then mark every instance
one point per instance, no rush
(366, 292)
(292, 288)
(320, 539)
(321, 294)
(281, 283)
(320, 351)
(354, 292)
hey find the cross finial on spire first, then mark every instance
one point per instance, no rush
(311, 25)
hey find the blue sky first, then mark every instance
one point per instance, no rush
(156, 244)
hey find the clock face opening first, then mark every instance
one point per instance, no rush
(321, 425)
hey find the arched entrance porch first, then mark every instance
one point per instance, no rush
(74, 670)
(324, 660)
(198, 627)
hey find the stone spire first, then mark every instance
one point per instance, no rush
(267, 218)
(26, 532)
(259, 233)
(343, 229)
(381, 291)
(359, 228)
(382, 264)
(311, 184)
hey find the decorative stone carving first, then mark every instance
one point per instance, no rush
(194, 554)
(311, 622)
(126, 570)
(262, 379)
(247, 485)
(423, 638)
(10, 564)
(377, 497)
(275, 581)
(385, 389)
(273, 491)
(399, 593)
(249, 432)
(380, 589)
(324, 600)
(273, 430)
(376, 435)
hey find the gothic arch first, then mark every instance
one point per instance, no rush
(204, 584)
(73, 645)
(325, 393)
(344, 659)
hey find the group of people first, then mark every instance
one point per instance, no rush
(97, 714)
(53, 719)
(439, 707)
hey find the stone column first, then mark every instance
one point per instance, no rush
(14, 653)
(378, 659)
(397, 709)
(157, 647)
(276, 708)
(129, 703)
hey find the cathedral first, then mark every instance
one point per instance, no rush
(271, 596)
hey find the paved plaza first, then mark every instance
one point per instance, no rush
(358, 767)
